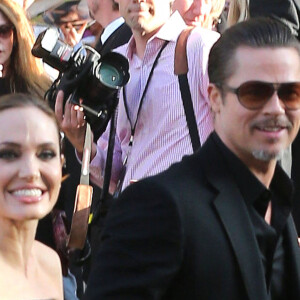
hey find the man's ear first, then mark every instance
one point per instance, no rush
(215, 97)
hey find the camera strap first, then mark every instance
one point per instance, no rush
(133, 125)
(83, 200)
(181, 70)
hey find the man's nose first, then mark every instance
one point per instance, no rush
(274, 105)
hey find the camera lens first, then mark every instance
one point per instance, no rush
(110, 76)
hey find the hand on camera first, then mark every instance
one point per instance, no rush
(71, 120)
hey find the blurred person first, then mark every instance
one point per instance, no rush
(286, 11)
(204, 13)
(72, 28)
(115, 31)
(31, 168)
(218, 224)
(238, 11)
(92, 33)
(20, 71)
(24, 3)
(71, 20)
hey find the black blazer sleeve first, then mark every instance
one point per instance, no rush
(141, 247)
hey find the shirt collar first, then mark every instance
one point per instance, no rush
(172, 28)
(250, 187)
(110, 28)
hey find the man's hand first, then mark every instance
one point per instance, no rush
(72, 35)
(71, 120)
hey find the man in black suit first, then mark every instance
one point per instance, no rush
(115, 32)
(218, 224)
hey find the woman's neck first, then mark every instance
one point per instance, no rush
(16, 242)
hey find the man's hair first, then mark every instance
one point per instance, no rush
(254, 33)
(115, 5)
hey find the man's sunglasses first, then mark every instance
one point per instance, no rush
(77, 25)
(5, 31)
(254, 94)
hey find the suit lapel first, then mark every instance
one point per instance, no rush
(119, 37)
(233, 213)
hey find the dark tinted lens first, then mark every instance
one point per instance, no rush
(5, 31)
(254, 94)
(77, 25)
(289, 93)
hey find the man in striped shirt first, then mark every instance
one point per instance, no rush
(151, 130)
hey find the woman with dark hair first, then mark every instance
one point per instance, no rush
(30, 178)
(20, 70)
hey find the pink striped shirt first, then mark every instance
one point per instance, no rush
(161, 137)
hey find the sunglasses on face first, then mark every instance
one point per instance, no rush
(6, 31)
(77, 25)
(254, 94)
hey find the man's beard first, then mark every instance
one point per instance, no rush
(266, 156)
(279, 121)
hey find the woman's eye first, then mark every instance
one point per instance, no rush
(8, 154)
(46, 154)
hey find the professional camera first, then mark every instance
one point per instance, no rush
(87, 79)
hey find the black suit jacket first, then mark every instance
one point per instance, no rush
(185, 234)
(118, 38)
(287, 11)
(296, 180)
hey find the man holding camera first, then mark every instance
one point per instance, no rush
(152, 131)
(218, 224)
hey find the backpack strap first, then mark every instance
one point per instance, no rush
(181, 70)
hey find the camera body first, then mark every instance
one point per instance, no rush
(87, 79)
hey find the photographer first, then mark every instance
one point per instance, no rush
(157, 120)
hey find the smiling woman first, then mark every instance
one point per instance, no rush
(30, 163)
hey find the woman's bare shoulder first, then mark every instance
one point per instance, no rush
(46, 255)
(49, 264)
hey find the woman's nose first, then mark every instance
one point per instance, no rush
(29, 170)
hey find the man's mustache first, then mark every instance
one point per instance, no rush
(280, 121)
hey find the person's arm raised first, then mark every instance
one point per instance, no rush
(72, 123)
